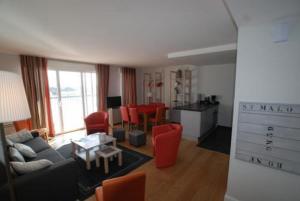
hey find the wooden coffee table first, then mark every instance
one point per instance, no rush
(106, 153)
(86, 147)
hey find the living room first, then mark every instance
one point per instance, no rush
(160, 100)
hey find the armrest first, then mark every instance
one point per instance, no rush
(156, 130)
(106, 120)
(58, 182)
(177, 127)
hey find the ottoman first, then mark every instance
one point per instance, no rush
(119, 134)
(137, 138)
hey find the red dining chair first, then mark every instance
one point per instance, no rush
(158, 119)
(158, 104)
(96, 122)
(131, 105)
(129, 187)
(125, 116)
(166, 140)
(134, 117)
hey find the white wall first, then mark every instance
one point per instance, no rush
(266, 72)
(219, 80)
(114, 81)
(70, 65)
(208, 80)
(10, 63)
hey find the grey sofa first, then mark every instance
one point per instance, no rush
(55, 183)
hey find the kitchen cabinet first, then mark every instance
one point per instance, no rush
(197, 120)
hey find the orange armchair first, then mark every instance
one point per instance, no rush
(166, 140)
(24, 124)
(130, 187)
(96, 122)
(27, 124)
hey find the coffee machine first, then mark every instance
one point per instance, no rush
(199, 98)
(207, 100)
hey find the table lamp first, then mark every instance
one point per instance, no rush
(13, 107)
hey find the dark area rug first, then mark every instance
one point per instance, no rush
(219, 140)
(90, 179)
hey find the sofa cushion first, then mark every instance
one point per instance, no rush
(49, 154)
(20, 136)
(25, 150)
(15, 155)
(37, 144)
(28, 167)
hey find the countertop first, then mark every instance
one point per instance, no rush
(196, 107)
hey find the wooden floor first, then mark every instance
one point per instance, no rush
(199, 175)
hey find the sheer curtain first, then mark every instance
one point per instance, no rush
(129, 85)
(102, 74)
(35, 78)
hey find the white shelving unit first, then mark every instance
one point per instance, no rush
(180, 87)
(153, 87)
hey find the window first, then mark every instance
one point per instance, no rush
(73, 96)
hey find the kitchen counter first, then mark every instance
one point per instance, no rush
(197, 119)
(196, 107)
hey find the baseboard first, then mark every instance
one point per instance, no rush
(227, 127)
(229, 198)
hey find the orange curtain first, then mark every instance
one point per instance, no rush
(129, 85)
(102, 72)
(35, 78)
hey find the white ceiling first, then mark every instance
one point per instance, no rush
(253, 12)
(138, 33)
(206, 59)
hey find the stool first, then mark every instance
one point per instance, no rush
(119, 134)
(137, 138)
(108, 152)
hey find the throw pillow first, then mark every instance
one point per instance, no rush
(20, 136)
(12, 171)
(9, 142)
(25, 150)
(28, 167)
(15, 155)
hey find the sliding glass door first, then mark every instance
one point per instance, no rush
(73, 96)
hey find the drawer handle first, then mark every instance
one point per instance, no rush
(269, 134)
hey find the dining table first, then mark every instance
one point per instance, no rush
(146, 111)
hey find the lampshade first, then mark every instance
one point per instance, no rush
(13, 101)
